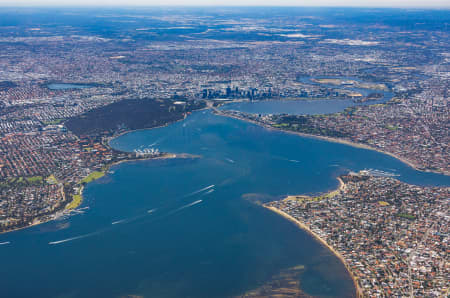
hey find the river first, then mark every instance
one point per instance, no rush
(192, 227)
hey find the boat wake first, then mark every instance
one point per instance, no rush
(203, 191)
(118, 222)
(208, 192)
(183, 207)
(134, 218)
(74, 238)
(188, 205)
(283, 158)
(5, 243)
(199, 191)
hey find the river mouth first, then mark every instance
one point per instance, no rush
(190, 227)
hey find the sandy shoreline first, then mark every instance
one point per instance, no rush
(334, 140)
(323, 242)
(301, 225)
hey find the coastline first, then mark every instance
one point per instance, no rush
(334, 140)
(109, 139)
(342, 186)
(301, 225)
(108, 166)
(37, 221)
(53, 216)
(162, 156)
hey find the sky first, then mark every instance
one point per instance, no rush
(353, 3)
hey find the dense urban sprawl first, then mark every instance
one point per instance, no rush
(393, 236)
(65, 89)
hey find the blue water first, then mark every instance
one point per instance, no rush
(219, 247)
(363, 91)
(293, 107)
(307, 107)
(64, 86)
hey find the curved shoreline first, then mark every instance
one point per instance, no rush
(109, 139)
(55, 215)
(301, 225)
(221, 113)
(163, 156)
(334, 140)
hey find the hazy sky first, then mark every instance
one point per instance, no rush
(356, 3)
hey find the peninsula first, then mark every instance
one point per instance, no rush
(390, 235)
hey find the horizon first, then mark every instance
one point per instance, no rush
(381, 4)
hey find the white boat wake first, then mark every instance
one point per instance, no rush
(74, 238)
(199, 191)
(155, 142)
(208, 192)
(118, 222)
(188, 205)
(5, 243)
(127, 220)
(184, 207)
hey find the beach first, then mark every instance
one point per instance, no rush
(335, 252)
(303, 226)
